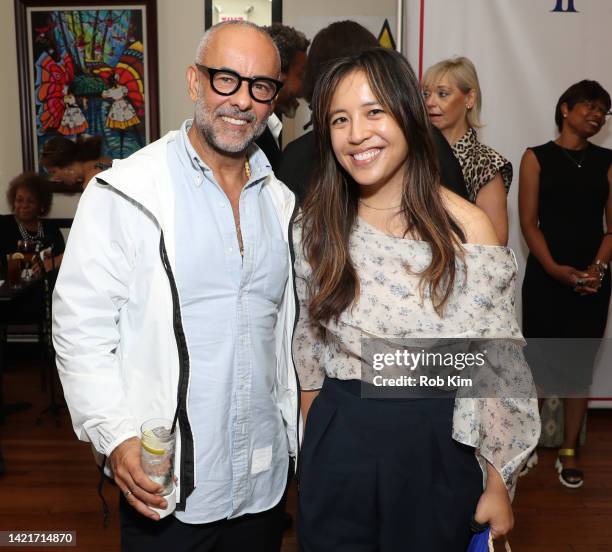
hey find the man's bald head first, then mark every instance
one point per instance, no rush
(225, 30)
(229, 123)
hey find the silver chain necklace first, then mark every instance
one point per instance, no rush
(30, 237)
(578, 163)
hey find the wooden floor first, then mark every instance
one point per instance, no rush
(50, 484)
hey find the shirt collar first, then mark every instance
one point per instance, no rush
(258, 162)
(188, 154)
(275, 125)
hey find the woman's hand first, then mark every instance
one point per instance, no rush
(37, 266)
(48, 262)
(596, 270)
(572, 277)
(494, 506)
(591, 284)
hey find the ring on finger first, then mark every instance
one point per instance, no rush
(127, 493)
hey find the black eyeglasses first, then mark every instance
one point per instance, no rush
(227, 82)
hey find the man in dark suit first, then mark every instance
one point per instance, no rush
(292, 46)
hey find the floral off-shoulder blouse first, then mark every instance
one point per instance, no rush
(502, 430)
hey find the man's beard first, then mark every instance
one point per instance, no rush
(205, 124)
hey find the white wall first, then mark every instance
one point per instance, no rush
(179, 31)
(10, 133)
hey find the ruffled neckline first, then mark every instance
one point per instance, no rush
(364, 226)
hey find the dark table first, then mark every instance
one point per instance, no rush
(10, 301)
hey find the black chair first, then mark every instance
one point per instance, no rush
(49, 375)
(18, 307)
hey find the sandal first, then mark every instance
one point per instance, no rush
(532, 462)
(569, 477)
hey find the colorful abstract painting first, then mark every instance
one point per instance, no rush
(88, 74)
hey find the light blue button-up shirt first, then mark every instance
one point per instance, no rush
(229, 307)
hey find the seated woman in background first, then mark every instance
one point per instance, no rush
(454, 100)
(382, 250)
(29, 198)
(71, 165)
(565, 191)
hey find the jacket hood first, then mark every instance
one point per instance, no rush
(143, 177)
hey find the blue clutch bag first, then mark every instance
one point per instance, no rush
(480, 541)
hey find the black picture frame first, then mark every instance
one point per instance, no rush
(28, 12)
(276, 8)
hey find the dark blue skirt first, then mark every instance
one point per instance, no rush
(381, 475)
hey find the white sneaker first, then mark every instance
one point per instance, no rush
(532, 462)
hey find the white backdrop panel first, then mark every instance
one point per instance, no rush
(526, 55)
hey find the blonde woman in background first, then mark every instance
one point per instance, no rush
(453, 99)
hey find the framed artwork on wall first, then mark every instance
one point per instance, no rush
(261, 12)
(87, 68)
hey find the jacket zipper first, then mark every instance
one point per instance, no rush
(295, 322)
(187, 448)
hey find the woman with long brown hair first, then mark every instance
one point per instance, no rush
(383, 252)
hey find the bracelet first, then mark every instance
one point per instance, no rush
(601, 266)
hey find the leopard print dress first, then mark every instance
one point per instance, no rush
(480, 163)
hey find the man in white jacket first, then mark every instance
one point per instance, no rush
(175, 300)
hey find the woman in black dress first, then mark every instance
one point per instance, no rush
(563, 196)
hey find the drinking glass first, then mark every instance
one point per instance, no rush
(157, 452)
(14, 263)
(28, 249)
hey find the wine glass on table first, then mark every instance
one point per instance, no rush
(28, 248)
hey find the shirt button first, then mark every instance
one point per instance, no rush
(230, 249)
(221, 204)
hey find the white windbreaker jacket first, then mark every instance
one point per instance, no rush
(117, 331)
